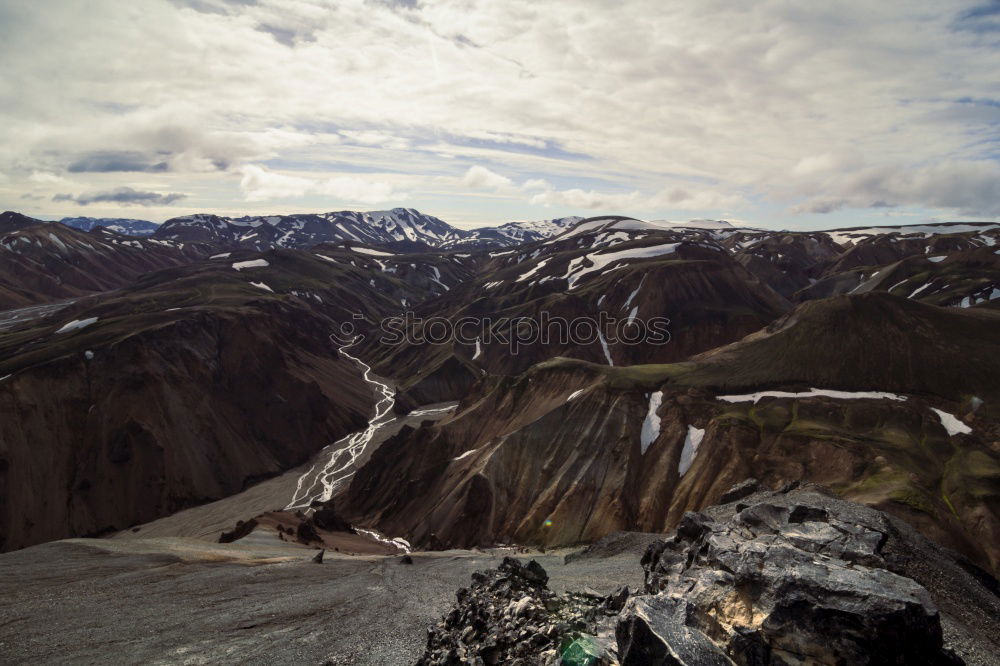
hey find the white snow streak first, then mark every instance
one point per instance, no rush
(374, 253)
(599, 261)
(844, 395)
(465, 455)
(77, 324)
(261, 285)
(651, 424)
(575, 394)
(951, 423)
(479, 350)
(534, 270)
(690, 450)
(604, 345)
(253, 263)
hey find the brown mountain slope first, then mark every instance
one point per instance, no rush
(183, 388)
(702, 297)
(559, 456)
(49, 261)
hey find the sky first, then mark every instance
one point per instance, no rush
(779, 114)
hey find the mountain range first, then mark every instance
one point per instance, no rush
(597, 381)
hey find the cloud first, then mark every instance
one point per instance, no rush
(286, 36)
(480, 178)
(44, 177)
(376, 138)
(969, 187)
(589, 200)
(106, 161)
(125, 196)
(261, 184)
(676, 106)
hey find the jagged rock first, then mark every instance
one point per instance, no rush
(318, 559)
(616, 601)
(242, 529)
(509, 616)
(776, 584)
(740, 490)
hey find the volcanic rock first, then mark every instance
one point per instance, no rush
(780, 582)
(509, 616)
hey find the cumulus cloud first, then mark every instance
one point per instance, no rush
(261, 184)
(480, 178)
(125, 196)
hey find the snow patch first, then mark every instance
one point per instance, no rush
(600, 261)
(369, 251)
(534, 270)
(690, 450)
(77, 324)
(465, 455)
(951, 423)
(651, 424)
(253, 263)
(843, 395)
(261, 285)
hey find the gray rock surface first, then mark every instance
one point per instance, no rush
(801, 577)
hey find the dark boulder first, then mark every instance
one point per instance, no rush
(242, 529)
(778, 583)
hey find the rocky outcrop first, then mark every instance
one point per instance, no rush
(509, 616)
(778, 584)
(773, 578)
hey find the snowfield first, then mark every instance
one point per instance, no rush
(600, 261)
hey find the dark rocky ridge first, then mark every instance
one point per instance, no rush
(796, 576)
